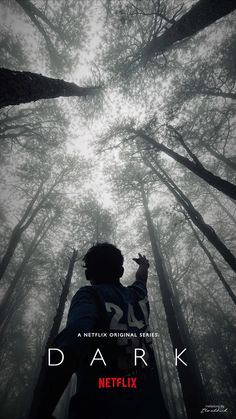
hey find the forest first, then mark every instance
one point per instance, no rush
(118, 124)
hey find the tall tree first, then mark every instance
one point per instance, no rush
(194, 165)
(53, 176)
(213, 263)
(200, 15)
(39, 388)
(137, 184)
(19, 228)
(196, 217)
(39, 235)
(62, 29)
(186, 374)
(23, 87)
(216, 78)
(32, 129)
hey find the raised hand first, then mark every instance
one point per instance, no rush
(142, 260)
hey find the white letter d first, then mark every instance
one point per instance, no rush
(49, 357)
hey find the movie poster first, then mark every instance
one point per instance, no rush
(117, 214)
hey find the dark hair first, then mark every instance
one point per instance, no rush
(104, 262)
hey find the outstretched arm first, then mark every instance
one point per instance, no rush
(142, 272)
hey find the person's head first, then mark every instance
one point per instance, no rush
(103, 263)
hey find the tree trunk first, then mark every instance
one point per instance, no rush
(196, 167)
(17, 233)
(31, 10)
(219, 156)
(22, 87)
(195, 159)
(192, 393)
(220, 348)
(215, 93)
(196, 217)
(213, 263)
(215, 303)
(5, 393)
(215, 197)
(39, 236)
(12, 245)
(37, 17)
(183, 328)
(53, 333)
(201, 15)
(61, 306)
(170, 380)
(29, 215)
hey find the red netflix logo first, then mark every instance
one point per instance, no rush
(114, 382)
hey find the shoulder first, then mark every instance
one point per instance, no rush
(84, 294)
(84, 310)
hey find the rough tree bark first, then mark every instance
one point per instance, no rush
(52, 334)
(194, 397)
(201, 15)
(22, 87)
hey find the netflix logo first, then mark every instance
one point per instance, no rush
(114, 382)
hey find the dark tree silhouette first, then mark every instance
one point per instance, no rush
(22, 87)
(213, 263)
(201, 15)
(35, 205)
(195, 216)
(37, 239)
(194, 166)
(193, 395)
(40, 389)
(18, 230)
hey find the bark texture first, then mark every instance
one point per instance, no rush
(18, 87)
(201, 15)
